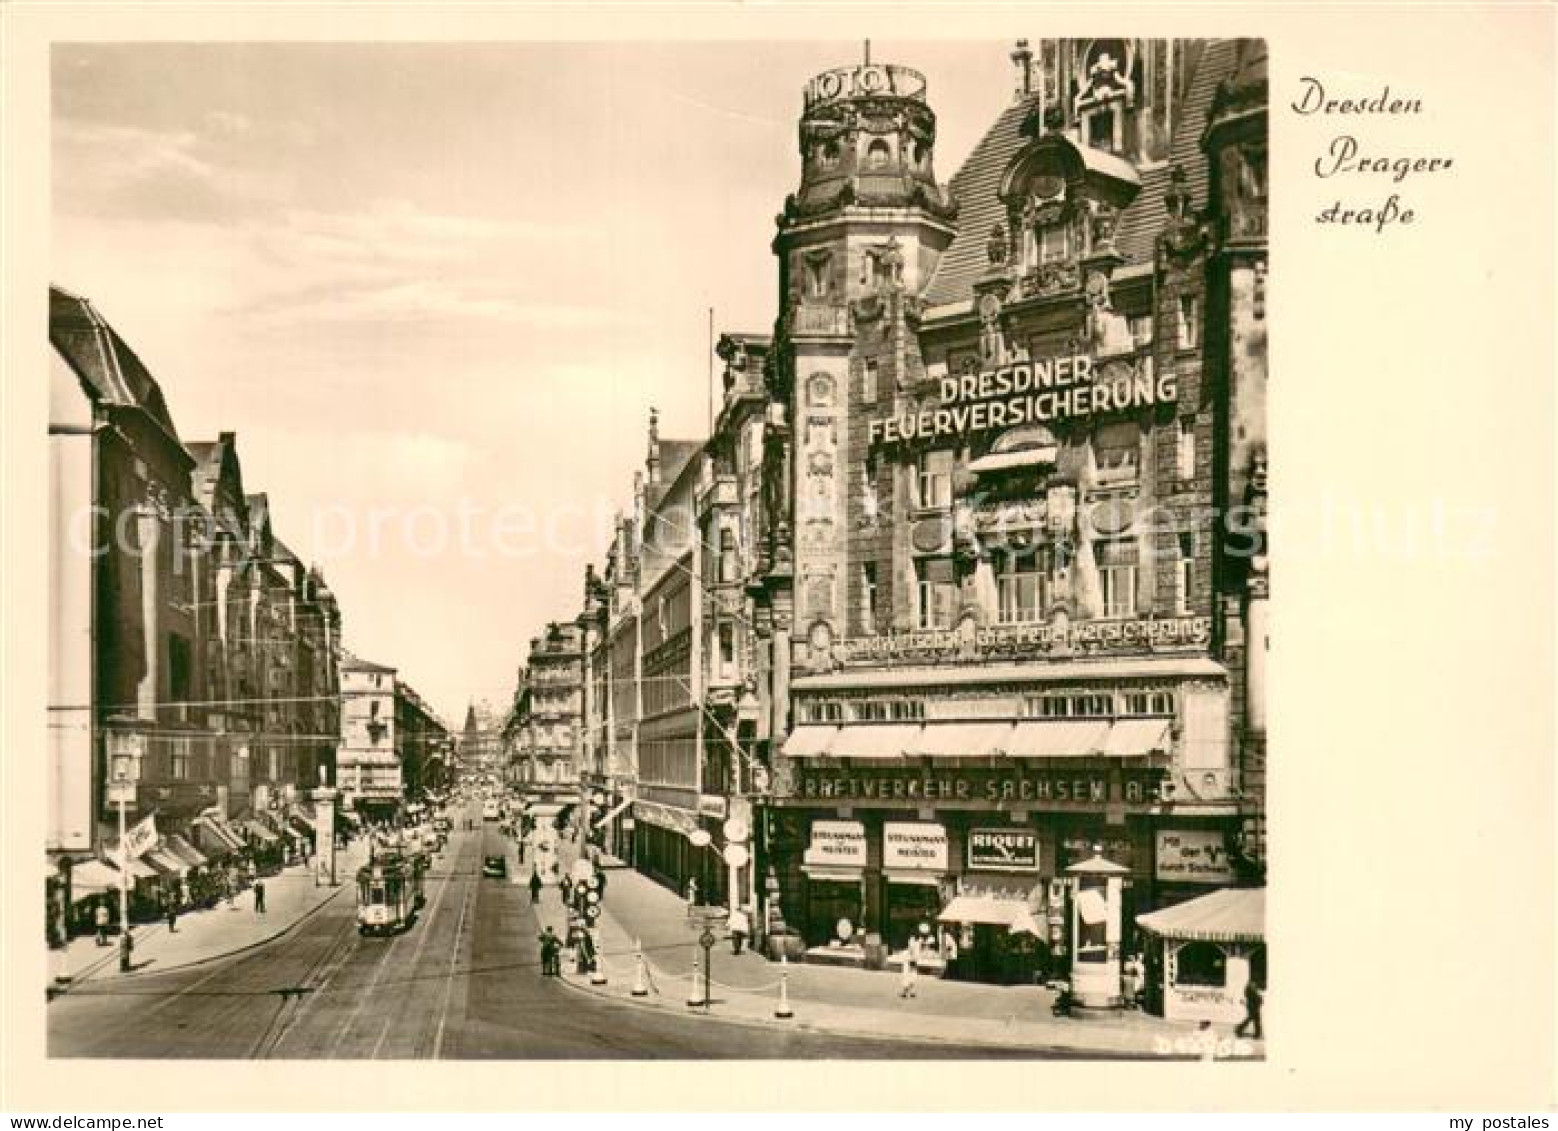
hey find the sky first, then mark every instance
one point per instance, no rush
(435, 289)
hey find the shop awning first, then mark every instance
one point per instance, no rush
(876, 743)
(1059, 738)
(140, 870)
(1012, 914)
(1138, 738)
(186, 852)
(91, 877)
(962, 740)
(809, 742)
(303, 821)
(165, 862)
(910, 876)
(216, 836)
(1229, 915)
(832, 875)
(258, 831)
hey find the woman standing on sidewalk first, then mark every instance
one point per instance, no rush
(911, 968)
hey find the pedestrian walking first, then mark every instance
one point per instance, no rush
(535, 887)
(600, 882)
(1253, 1000)
(259, 897)
(550, 949)
(911, 968)
(740, 927)
(949, 956)
(171, 910)
(565, 886)
(100, 920)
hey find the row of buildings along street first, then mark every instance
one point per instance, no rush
(199, 689)
(952, 628)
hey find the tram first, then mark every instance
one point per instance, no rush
(389, 893)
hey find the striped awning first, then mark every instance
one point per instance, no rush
(1059, 738)
(1228, 915)
(166, 862)
(809, 741)
(258, 831)
(961, 740)
(874, 743)
(186, 852)
(91, 877)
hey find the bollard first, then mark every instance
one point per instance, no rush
(694, 997)
(640, 983)
(783, 1010)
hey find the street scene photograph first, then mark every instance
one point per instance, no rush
(666, 551)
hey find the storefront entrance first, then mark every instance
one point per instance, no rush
(907, 904)
(828, 900)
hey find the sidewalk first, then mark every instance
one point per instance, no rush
(290, 897)
(848, 1001)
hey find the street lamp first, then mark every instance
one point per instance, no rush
(126, 747)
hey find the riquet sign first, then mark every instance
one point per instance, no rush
(1003, 850)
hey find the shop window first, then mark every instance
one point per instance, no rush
(878, 155)
(828, 156)
(1185, 449)
(1117, 569)
(1201, 964)
(935, 591)
(1022, 584)
(180, 760)
(934, 479)
(1184, 573)
(1189, 321)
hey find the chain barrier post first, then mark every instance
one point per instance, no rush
(783, 1010)
(640, 986)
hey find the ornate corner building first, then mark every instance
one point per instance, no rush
(1017, 579)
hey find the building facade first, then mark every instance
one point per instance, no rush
(1011, 403)
(369, 767)
(967, 626)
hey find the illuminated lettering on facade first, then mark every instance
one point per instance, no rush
(1058, 388)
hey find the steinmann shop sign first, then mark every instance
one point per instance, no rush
(840, 844)
(917, 846)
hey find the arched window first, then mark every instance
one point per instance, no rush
(877, 155)
(1201, 964)
(828, 156)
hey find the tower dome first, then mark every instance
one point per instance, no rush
(867, 137)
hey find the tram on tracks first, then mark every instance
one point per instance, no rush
(389, 893)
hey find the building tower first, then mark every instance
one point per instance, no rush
(857, 244)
